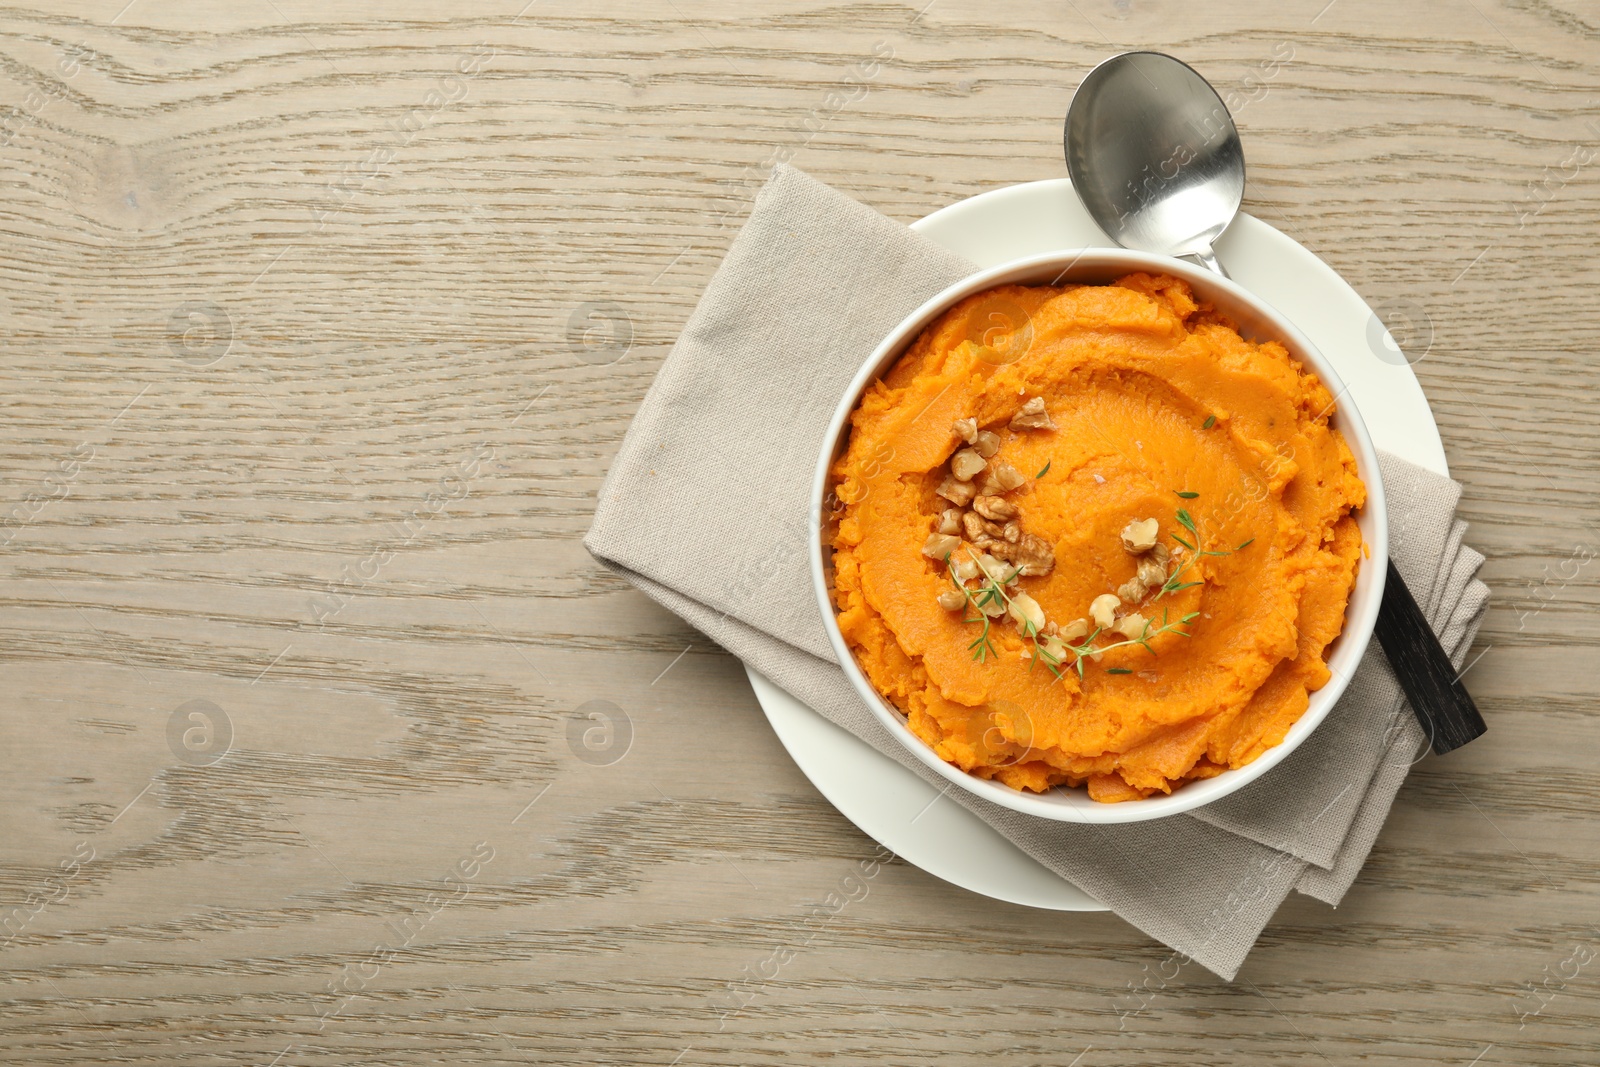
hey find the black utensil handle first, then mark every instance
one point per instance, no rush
(1431, 683)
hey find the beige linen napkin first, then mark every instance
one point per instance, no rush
(809, 287)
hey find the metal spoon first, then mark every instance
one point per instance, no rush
(1156, 159)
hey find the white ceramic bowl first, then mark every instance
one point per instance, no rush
(1257, 321)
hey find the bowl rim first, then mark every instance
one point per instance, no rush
(1361, 609)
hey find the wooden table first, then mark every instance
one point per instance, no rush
(324, 321)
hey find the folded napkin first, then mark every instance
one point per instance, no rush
(718, 464)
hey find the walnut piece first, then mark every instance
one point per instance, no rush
(1103, 610)
(1131, 625)
(950, 521)
(938, 545)
(1001, 477)
(1076, 630)
(1032, 554)
(1132, 591)
(1140, 535)
(950, 600)
(997, 569)
(957, 492)
(965, 569)
(1026, 613)
(1160, 555)
(993, 507)
(1152, 572)
(986, 443)
(966, 464)
(1033, 416)
(972, 525)
(966, 429)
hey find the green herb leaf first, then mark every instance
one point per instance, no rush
(1170, 588)
(1186, 494)
(1192, 615)
(1245, 544)
(1044, 469)
(1182, 542)
(1118, 670)
(1185, 521)
(1211, 420)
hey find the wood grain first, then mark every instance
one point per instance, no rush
(299, 422)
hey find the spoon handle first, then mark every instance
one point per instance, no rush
(1431, 682)
(1208, 259)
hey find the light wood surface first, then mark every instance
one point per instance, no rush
(299, 423)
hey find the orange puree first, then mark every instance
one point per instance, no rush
(1151, 395)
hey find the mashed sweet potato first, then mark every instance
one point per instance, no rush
(1154, 408)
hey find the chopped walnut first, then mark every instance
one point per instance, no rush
(1031, 553)
(1140, 535)
(986, 443)
(993, 507)
(1011, 531)
(966, 429)
(1152, 572)
(1131, 625)
(966, 464)
(1033, 416)
(950, 521)
(1132, 591)
(950, 600)
(973, 525)
(1076, 630)
(1103, 610)
(1001, 477)
(998, 569)
(938, 545)
(1160, 555)
(965, 569)
(1027, 613)
(957, 492)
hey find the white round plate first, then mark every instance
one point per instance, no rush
(890, 803)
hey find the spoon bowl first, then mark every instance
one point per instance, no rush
(1155, 156)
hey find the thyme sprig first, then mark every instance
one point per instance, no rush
(1175, 582)
(988, 593)
(1086, 647)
